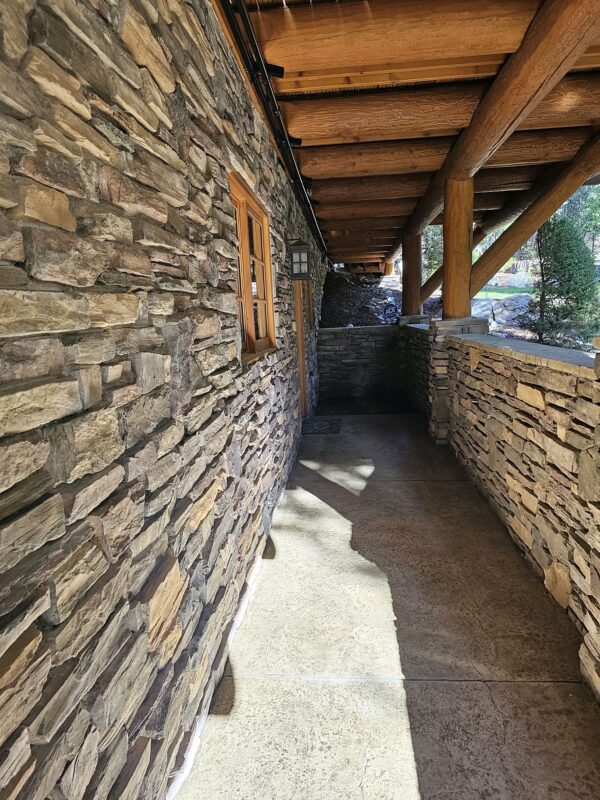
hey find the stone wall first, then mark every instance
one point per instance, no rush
(360, 362)
(417, 349)
(139, 464)
(525, 421)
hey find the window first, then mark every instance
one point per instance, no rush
(255, 287)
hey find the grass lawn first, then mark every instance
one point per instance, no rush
(497, 292)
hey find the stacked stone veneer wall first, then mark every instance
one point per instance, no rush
(525, 421)
(360, 362)
(417, 348)
(139, 464)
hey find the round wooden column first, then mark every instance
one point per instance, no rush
(412, 271)
(458, 247)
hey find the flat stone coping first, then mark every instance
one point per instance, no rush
(359, 329)
(417, 326)
(559, 358)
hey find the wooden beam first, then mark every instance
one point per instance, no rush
(584, 166)
(458, 247)
(371, 208)
(417, 112)
(313, 38)
(395, 187)
(428, 155)
(412, 270)
(560, 32)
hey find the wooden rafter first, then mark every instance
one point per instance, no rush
(560, 32)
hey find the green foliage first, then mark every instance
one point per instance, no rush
(433, 249)
(583, 208)
(565, 309)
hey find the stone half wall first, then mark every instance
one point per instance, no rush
(524, 420)
(139, 464)
(360, 362)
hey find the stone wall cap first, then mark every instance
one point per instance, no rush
(359, 329)
(561, 359)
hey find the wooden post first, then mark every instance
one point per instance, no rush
(458, 246)
(412, 271)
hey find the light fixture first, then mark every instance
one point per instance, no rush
(300, 261)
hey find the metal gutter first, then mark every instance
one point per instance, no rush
(259, 72)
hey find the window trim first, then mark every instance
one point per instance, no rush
(247, 204)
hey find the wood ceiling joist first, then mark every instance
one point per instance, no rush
(395, 187)
(529, 84)
(428, 155)
(395, 208)
(427, 111)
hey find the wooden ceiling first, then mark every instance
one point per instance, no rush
(379, 90)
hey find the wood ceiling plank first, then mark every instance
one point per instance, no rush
(432, 111)
(428, 155)
(317, 37)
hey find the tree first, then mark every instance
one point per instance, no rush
(565, 309)
(584, 209)
(433, 249)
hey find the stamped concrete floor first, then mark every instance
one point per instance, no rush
(396, 645)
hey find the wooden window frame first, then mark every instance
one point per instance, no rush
(247, 208)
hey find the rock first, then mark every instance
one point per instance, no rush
(102, 221)
(558, 582)
(20, 95)
(110, 764)
(28, 405)
(131, 196)
(90, 614)
(83, 135)
(532, 396)
(90, 348)
(28, 312)
(11, 241)
(14, 755)
(63, 258)
(85, 445)
(30, 530)
(54, 81)
(15, 134)
(159, 603)
(48, 136)
(107, 309)
(78, 774)
(119, 519)
(129, 782)
(53, 169)
(144, 415)
(21, 458)
(151, 370)
(82, 497)
(43, 204)
(19, 619)
(145, 49)
(24, 668)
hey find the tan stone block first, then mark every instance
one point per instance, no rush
(131, 196)
(144, 47)
(13, 28)
(133, 103)
(531, 395)
(27, 532)
(151, 370)
(521, 530)
(8, 192)
(14, 755)
(129, 782)
(20, 459)
(88, 139)
(11, 241)
(91, 348)
(24, 668)
(155, 98)
(118, 521)
(51, 168)
(24, 312)
(63, 258)
(24, 407)
(102, 221)
(54, 81)
(107, 309)
(557, 580)
(15, 134)
(19, 619)
(43, 204)
(82, 497)
(90, 612)
(20, 95)
(48, 136)
(85, 445)
(159, 604)
(78, 774)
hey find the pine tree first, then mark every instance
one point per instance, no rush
(565, 309)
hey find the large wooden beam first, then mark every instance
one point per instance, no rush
(371, 208)
(428, 155)
(395, 187)
(433, 111)
(458, 246)
(313, 38)
(585, 165)
(412, 270)
(560, 32)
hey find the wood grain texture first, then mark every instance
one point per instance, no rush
(428, 155)
(426, 111)
(559, 34)
(458, 247)
(412, 270)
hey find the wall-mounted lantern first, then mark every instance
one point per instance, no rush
(300, 260)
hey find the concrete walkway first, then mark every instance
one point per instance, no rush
(396, 646)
